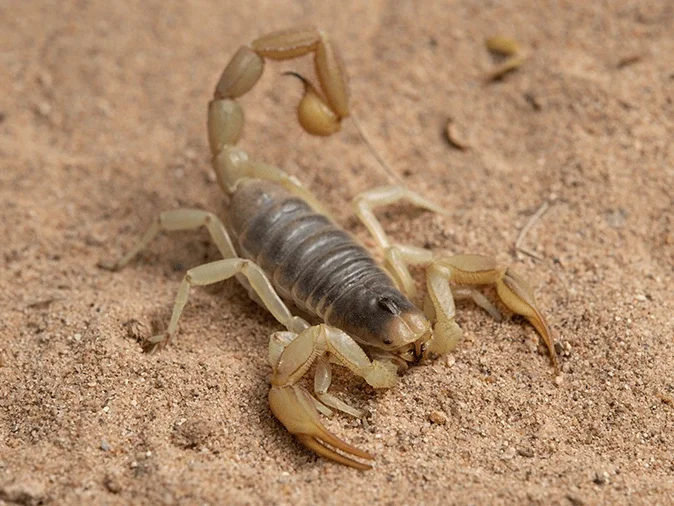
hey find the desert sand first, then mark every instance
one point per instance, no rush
(102, 127)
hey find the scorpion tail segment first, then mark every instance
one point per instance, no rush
(332, 76)
(296, 410)
(319, 112)
(225, 124)
(519, 297)
(240, 75)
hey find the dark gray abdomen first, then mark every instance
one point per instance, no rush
(311, 261)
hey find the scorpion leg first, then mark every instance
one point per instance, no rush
(322, 380)
(396, 257)
(291, 357)
(253, 278)
(179, 219)
(214, 272)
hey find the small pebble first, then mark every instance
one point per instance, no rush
(112, 484)
(509, 453)
(438, 417)
(601, 477)
(105, 446)
(44, 108)
(455, 137)
(616, 219)
(526, 452)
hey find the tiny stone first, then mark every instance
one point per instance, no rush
(526, 452)
(105, 446)
(112, 484)
(44, 108)
(616, 219)
(641, 298)
(509, 453)
(559, 379)
(438, 417)
(45, 79)
(25, 492)
(106, 409)
(601, 477)
(575, 500)
(77, 337)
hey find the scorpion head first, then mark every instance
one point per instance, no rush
(406, 332)
(384, 320)
(397, 326)
(409, 334)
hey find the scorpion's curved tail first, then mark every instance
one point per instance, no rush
(320, 111)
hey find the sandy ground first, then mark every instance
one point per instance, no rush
(102, 126)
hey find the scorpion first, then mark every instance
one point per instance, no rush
(287, 251)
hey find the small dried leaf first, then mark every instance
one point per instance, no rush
(503, 45)
(455, 137)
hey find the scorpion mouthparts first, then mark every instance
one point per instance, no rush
(419, 350)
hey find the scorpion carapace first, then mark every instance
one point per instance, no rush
(280, 243)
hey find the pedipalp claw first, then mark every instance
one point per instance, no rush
(519, 297)
(295, 409)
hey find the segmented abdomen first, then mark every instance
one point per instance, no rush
(310, 260)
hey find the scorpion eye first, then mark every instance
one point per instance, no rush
(387, 341)
(388, 304)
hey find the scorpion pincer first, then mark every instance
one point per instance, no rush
(284, 248)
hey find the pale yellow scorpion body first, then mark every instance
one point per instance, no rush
(290, 255)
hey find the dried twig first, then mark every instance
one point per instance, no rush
(532, 221)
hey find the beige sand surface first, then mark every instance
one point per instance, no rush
(103, 126)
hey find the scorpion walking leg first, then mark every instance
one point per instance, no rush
(220, 270)
(189, 219)
(291, 358)
(179, 219)
(322, 380)
(395, 255)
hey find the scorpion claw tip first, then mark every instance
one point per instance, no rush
(296, 409)
(323, 450)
